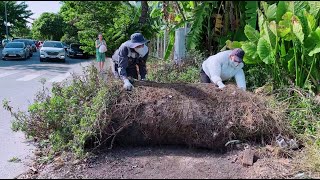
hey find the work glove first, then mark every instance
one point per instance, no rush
(144, 79)
(127, 85)
(116, 75)
(220, 85)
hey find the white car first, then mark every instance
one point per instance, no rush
(52, 50)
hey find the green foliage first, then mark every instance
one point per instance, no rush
(188, 72)
(289, 44)
(200, 13)
(49, 26)
(114, 19)
(71, 115)
(251, 13)
(303, 112)
(18, 15)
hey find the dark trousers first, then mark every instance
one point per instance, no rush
(132, 70)
(204, 78)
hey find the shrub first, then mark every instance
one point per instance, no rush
(186, 72)
(69, 116)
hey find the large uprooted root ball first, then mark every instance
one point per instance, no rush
(197, 115)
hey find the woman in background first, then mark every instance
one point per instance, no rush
(100, 57)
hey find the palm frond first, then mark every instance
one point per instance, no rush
(251, 13)
(201, 12)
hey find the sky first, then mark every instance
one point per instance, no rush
(39, 7)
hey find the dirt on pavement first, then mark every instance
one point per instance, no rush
(167, 162)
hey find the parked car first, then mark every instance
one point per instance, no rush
(65, 46)
(4, 42)
(33, 45)
(28, 44)
(75, 51)
(15, 50)
(52, 50)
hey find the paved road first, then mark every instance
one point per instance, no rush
(19, 81)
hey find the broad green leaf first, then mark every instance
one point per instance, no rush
(314, 8)
(291, 66)
(269, 36)
(297, 29)
(251, 56)
(251, 12)
(273, 27)
(312, 41)
(252, 34)
(287, 16)
(260, 19)
(233, 44)
(285, 25)
(311, 21)
(264, 5)
(304, 23)
(265, 52)
(249, 60)
(297, 6)
(250, 49)
(283, 52)
(281, 9)
(315, 50)
(271, 12)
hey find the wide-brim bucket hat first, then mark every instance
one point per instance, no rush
(137, 39)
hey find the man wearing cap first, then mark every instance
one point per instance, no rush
(131, 53)
(224, 66)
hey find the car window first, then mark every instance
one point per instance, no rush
(52, 44)
(75, 46)
(14, 45)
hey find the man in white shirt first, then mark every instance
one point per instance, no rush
(224, 66)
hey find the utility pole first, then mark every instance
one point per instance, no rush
(5, 9)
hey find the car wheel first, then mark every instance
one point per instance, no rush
(31, 55)
(41, 60)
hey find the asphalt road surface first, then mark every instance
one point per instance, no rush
(19, 82)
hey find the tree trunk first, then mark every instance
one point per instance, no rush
(165, 10)
(144, 12)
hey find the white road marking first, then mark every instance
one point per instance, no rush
(8, 73)
(29, 77)
(60, 77)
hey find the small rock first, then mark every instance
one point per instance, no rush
(281, 142)
(58, 166)
(300, 176)
(38, 153)
(170, 96)
(76, 162)
(247, 157)
(293, 144)
(34, 170)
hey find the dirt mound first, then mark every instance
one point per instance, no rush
(197, 115)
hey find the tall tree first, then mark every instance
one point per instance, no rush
(48, 26)
(144, 12)
(17, 15)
